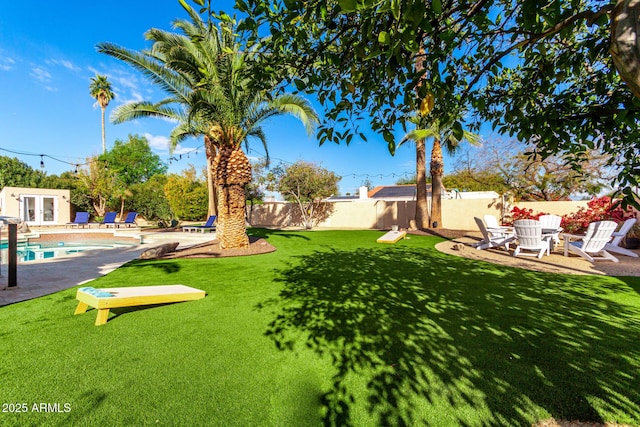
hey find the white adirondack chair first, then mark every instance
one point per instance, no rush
(493, 226)
(551, 226)
(489, 239)
(592, 245)
(529, 236)
(614, 245)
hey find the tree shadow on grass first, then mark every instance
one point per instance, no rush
(486, 344)
(265, 233)
(169, 267)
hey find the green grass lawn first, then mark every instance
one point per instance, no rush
(331, 329)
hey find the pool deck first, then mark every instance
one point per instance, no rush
(43, 277)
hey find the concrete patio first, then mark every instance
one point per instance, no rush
(43, 277)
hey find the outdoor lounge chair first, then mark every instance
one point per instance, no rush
(592, 245)
(494, 226)
(208, 226)
(109, 220)
(614, 245)
(551, 227)
(529, 236)
(129, 220)
(82, 219)
(490, 239)
(107, 298)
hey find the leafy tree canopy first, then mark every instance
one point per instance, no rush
(305, 184)
(133, 160)
(187, 195)
(541, 71)
(96, 183)
(14, 173)
(149, 200)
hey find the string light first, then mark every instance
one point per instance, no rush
(195, 151)
(348, 175)
(78, 165)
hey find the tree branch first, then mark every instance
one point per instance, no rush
(588, 15)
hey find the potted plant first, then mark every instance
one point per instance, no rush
(632, 241)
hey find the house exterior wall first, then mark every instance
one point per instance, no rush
(379, 214)
(12, 201)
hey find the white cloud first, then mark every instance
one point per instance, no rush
(40, 74)
(6, 63)
(158, 143)
(179, 150)
(161, 144)
(127, 81)
(64, 63)
(136, 97)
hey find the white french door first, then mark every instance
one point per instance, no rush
(39, 210)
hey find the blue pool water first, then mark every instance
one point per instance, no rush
(41, 251)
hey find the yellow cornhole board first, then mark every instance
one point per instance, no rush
(128, 297)
(392, 237)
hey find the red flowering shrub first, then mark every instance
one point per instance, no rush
(598, 209)
(524, 213)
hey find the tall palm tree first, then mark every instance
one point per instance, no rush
(439, 133)
(207, 76)
(100, 89)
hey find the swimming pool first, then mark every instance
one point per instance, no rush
(48, 250)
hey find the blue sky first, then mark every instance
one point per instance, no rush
(48, 55)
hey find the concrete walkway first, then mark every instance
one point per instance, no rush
(38, 278)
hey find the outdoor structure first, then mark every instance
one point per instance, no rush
(36, 206)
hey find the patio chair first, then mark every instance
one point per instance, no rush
(491, 239)
(614, 245)
(551, 227)
(129, 220)
(494, 226)
(208, 226)
(109, 220)
(82, 219)
(529, 236)
(592, 245)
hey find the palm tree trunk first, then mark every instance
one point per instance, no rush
(422, 209)
(437, 170)
(104, 139)
(210, 155)
(232, 174)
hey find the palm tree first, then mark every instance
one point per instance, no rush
(439, 133)
(208, 79)
(154, 64)
(100, 89)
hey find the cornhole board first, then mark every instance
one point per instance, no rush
(129, 297)
(392, 237)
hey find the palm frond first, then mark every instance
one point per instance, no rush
(259, 134)
(298, 107)
(156, 72)
(138, 110)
